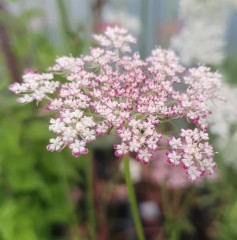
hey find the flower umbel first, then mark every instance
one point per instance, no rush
(110, 92)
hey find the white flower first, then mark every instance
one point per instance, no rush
(55, 144)
(25, 99)
(174, 158)
(69, 134)
(125, 135)
(117, 38)
(102, 128)
(134, 145)
(223, 122)
(193, 173)
(144, 156)
(78, 114)
(121, 150)
(78, 148)
(224, 113)
(88, 134)
(202, 38)
(123, 18)
(187, 161)
(175, 143)
(56, 125)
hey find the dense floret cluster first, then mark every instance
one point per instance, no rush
(112, 92)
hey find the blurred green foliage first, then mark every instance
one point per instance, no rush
(229, 68)
(35, 185)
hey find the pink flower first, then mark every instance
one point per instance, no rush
(193, 151)
(111, 92)
(176, 176)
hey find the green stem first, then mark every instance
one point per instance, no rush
(64, 22)
(89, 26)
(144, 19)
(90, 197)
(170, 5)
(171, 228)
(76, 235)
(132, 200)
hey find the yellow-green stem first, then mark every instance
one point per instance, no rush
(133, 201)
(90, 198)
(65, 25)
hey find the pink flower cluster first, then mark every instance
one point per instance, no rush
(174, 177)
(192, 146)
(110, 91)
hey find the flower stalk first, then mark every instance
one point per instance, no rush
(132, 200)
(89, 196)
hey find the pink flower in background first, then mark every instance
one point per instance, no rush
(111, 91)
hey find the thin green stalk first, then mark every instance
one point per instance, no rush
(144, 19)
(66, 187)
(65, 25)
(132, 200)
(89, 25)
(90, 197)
(170, 8)
(171, 229)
